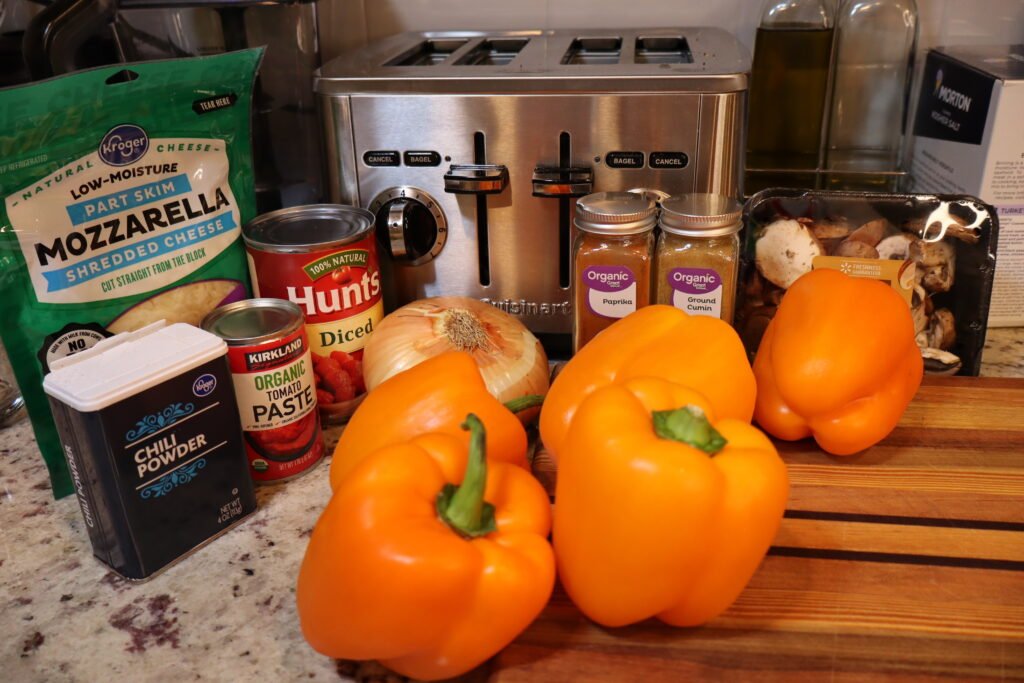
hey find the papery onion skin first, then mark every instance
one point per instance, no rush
(511, 360)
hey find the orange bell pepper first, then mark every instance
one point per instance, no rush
(406, 568)
(838, 362)
(700, 352)
(434, 396)
(660, 510)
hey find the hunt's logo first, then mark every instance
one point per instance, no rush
(124, 144)
(951, 97)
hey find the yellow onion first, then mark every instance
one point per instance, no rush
(510, 358)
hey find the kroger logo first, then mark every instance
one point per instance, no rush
(204, 385)
(123, 145)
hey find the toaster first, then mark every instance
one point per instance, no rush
(471, 147)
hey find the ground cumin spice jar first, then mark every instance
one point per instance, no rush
(698, 254)
(611, 260)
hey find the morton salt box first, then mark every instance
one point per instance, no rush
(150, 428)
(969, 140)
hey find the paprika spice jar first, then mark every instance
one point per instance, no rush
(611, 260)
(698, 254)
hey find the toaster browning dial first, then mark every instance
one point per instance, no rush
(410, 224)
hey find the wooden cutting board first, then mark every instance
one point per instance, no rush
(903, 562)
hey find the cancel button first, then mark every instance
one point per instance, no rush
(668, 160)
(381, 157)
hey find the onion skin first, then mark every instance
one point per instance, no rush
(511, 360)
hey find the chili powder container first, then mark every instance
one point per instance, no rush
(148, 423)
(272, 370)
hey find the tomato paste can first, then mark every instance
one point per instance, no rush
(323, 257)
(272, 371)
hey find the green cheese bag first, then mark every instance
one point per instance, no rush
(122, 193)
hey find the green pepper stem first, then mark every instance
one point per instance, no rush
(688, 425)
(463, 507)
(518, 405)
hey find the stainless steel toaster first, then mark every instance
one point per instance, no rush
(471, 147)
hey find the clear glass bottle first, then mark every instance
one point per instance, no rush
(788, 91)
(874, 53)
(698, 254)
(611, 260)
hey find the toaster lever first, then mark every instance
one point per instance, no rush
(559, 181)
(476, 179)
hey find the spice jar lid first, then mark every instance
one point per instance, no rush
(701, 215)
(615, 213)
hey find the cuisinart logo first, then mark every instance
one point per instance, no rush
(123, 145)
(950, 96)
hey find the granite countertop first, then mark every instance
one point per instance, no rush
(227, 613)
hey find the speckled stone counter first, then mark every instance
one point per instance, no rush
(226, 613)
(1004, 353)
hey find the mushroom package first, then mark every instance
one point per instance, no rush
(937, 251)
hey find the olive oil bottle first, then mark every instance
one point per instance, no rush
(788, 92)
(874, 56)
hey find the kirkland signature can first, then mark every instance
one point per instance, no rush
(272, 370)
(323, 257)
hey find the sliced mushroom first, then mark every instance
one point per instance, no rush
(785, 251)
(851, 248)
(941, 329)
(939, 362)
(907, 274)
(959, 229)
(921, 308)
(954, 227)
(935, 264)
(920, 316)
(872, 232)
(895, 247)
(830, 234)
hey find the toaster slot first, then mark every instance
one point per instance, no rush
(481, 179)
(428, 52)
(493, 52)
(483, 251)
(565, 215)
(662, 50)
(597, 50)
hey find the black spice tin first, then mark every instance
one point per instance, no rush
(939, 250)
(150, 428)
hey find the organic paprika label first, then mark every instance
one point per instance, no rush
(611, 290)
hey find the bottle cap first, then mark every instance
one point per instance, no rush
(616, 213)
(701, 215)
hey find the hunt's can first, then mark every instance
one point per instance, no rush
(272, 370)
(323, 258)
